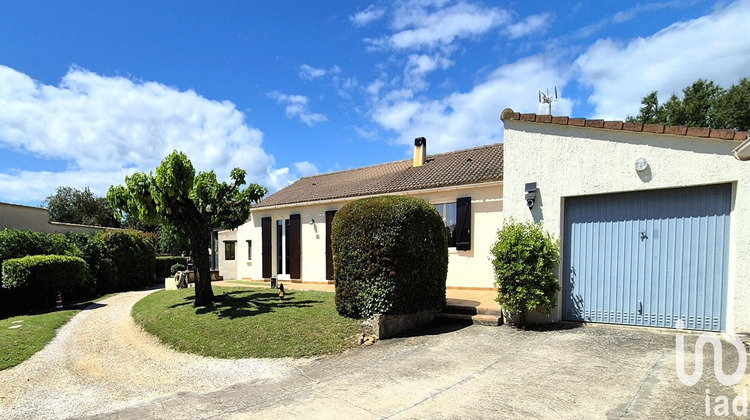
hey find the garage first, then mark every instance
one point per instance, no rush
(648, 258)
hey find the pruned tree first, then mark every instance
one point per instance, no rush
(71, 205)
(192, 203)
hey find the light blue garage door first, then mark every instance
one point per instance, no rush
(648, 258)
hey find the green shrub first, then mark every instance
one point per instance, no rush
(390, 256)
(93, 252)
(132, 256)
(38, 278)
(525, 258)
(16, 243)
(177, 267)
(165, 264)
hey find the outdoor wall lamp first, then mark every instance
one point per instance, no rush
(530, 194)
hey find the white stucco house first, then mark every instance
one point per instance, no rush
(653, 221)
(288, 234)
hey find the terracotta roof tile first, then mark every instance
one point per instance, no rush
(675, 130)
(471, 166)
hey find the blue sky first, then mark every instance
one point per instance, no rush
(91, 91)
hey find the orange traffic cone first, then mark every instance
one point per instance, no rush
(59, 304)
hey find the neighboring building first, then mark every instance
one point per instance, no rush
(16, 216)
(288, 234)
(226, 251)
(653, 221)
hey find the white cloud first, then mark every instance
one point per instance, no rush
(528, 26)
(305, 168)
(425, 24)
(309, 72)
(105, 127)
(419, 65)
(709, 47)
(465, 119)
(369, 15)
(297, 106)
(639, 8)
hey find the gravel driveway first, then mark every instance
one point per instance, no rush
(101, 361)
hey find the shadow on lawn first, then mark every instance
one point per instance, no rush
(241, 304)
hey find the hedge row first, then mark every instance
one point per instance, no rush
(164, 265)
(116, 260)
(390, 256)
(36, 280)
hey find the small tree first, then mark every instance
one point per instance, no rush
(193, 203)
(524, 258)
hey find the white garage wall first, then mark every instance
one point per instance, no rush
(569, 161)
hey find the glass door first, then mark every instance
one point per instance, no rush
(283, 250)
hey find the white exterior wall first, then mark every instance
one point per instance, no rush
(569, 161)
(228, 268)
(471, 269)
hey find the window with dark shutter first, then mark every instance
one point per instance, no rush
(265, 246)
(463, 224)
(295, 243)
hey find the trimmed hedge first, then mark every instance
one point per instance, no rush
(35, 280)
(21, 243)
(93, 252)
(132, 255)
(390, 256)
(164, 265)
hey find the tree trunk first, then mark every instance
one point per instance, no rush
(204, 294)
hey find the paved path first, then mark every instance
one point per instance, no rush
(101, 364)
(101, 361)
(471, 372)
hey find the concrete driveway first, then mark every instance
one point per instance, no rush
(453, 371)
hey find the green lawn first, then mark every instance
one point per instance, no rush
(248, 322)
(35, 331)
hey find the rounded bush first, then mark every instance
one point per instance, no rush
(177, 267)
(390, 256)
(38, 278)
(164, 265)
(524, 259)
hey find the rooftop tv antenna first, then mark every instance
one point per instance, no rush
(547, 101)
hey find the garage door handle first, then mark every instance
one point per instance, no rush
(640, 308)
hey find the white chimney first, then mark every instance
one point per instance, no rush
(420, 151)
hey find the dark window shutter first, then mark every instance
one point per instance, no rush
(265, 248)
(329, 249)
(295, 242)
(463, 224)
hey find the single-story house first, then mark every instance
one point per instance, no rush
(288, 233)
(17, 216)
(653, 221)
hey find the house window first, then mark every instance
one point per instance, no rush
(229, 250)
(249, 250)
(448, 213)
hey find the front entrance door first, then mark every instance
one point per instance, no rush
(283, 249)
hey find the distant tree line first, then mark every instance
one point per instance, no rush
(703, 104)
(83, 207)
